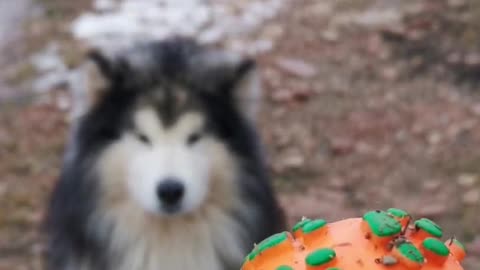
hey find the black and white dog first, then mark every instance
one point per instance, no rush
(165, 171)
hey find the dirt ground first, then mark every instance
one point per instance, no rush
(368, 105)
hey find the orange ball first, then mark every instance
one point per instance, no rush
(378, 241)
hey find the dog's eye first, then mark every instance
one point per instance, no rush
(143, 138)
(193, 138)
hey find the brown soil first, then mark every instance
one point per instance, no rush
(356, 117)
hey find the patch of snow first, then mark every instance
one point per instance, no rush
(104, 5)
(12, 15)
(115, 24)
(48, 59)
(53, 71)
(371, 18)
(377, 18)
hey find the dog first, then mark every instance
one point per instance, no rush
(165, 170)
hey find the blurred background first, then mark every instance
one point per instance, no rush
(368, 103)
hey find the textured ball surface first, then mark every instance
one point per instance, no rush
(377, 241)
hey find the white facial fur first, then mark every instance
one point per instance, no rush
(167, 155)
(204, 238)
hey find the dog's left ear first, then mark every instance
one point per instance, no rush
(246, 87)
(102, 71)
(112, 67)
(98, 72)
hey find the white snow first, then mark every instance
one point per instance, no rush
(114, 24)
(118, 23)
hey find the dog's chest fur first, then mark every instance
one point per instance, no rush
(212, 241)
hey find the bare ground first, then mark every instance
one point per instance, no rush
(358, 115)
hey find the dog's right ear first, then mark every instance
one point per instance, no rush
(100, 74)
(112, 68)
(103, 63)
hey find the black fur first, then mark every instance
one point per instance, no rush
(168, 63)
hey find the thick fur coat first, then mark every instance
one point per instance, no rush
(169, 109)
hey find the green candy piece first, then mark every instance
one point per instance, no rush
(429, 226)
(458, 243)
(284, 267)
(266, 244)
(253, 254)
(411, 252)
(382, 224)
(398, 212)
(333, 268)
(436, 246)
(320, 256)
(314, 225)
(300, 224)
(272, 241)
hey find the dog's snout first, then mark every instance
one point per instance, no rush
(170, 191)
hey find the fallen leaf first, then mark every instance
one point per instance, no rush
(293, 162)
(431, 210)
(472, 197)
(467, 180)
(296, 67)
(341, 146)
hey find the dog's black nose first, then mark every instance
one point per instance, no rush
(170, 191)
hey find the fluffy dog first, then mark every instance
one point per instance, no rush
(166, 170)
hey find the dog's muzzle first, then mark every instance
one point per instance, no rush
(170, 194)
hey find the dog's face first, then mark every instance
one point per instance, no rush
(170, 165)
(174, 148)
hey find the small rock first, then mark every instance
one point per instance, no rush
(63, 102)
(279, 112)
(377, 18)
(432, 210)
(476, 109)
(467, 180)
(211, 35)
(456, 3)
(384, 151)
(3, 188)
(390, 73)
(273, 32)
(276, 167)
(431, 185)
(415, 34)
(293, 162)
(434, 138)
(104, 5)
(302, 94)
(337, 183)
(38, 248)
(415, 8)
(296, 67)
(454, 58)
(260, 46)
(374, 44)
(282, 95)
(50, 81)
(474, 246)
(472, 59)
(394, 32)
(321, 8)
(341, 146)
(472, 197)
(401, 135)
(330, 35)
(48, 59)
(364, 148)
(283, 140)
